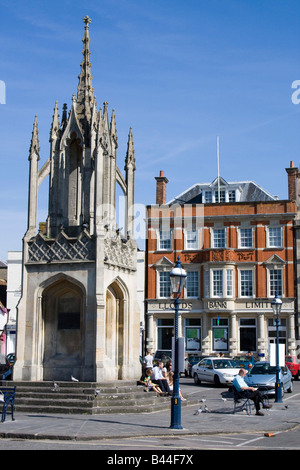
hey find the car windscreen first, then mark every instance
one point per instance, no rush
(260, 369)
(223, 364)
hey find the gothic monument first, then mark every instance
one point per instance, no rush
(78, 313)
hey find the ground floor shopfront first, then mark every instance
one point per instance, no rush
(230, 327)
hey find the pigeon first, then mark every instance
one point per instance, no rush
(198, 411)
(206, 409)
(55, 387)
(73, 379)
(203, 400)
(97, 392)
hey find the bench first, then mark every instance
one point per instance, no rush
(7, 398)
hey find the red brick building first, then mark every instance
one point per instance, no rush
(237, 253)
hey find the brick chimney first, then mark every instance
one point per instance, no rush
(292, 181)
(161, 188)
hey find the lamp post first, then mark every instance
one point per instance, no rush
(177, 278)
(276, 306)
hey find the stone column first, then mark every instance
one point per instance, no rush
(150, 331)
(291, 339)
(206, 348)
(262, 342)
(233, 341)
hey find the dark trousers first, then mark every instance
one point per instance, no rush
(255, 396)
(163, 384)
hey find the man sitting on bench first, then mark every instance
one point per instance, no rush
(248, 392)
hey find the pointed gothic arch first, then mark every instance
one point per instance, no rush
(116, 323)
(63, 327)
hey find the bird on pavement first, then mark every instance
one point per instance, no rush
(55, 387)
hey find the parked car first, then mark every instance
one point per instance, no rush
(244, 362)
(216, 370)
(163, 356)
(293, 365)
(263, 376)
(5, 369)
(189, 362)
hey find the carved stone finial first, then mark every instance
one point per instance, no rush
(87, 20)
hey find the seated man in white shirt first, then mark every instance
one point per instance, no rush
(158, 378)
(245, 391)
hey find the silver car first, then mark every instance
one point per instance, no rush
(215, 370)
(263, 376)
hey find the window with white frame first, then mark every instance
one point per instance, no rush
(229, 284)
(208, 197)
(222, 196)
(231, 195)
(246, 238)
(276, 282)
(275, 240)
(192, 284)
(219, 283)
(191, 239)
(206, 277)
(219, 235)
(246, 283)
(164, 287)
(165, 240)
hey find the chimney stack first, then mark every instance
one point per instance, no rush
(161, 188)
(292, 181)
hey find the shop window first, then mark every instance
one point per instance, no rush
(247, 334)
(165, 327)
(220, 334)
(192, 334)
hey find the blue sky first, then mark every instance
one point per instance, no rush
(180, 73)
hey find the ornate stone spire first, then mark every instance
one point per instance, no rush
(113, 128)
(85, 91)
(34, 151)
(55, 123)
(130, 158)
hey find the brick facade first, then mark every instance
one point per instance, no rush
(231, 284)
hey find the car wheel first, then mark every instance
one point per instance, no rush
(196, 379)
(290, 389)
(217, 380)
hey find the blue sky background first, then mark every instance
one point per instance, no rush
(180, 73)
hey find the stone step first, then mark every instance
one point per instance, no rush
(87, 398)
